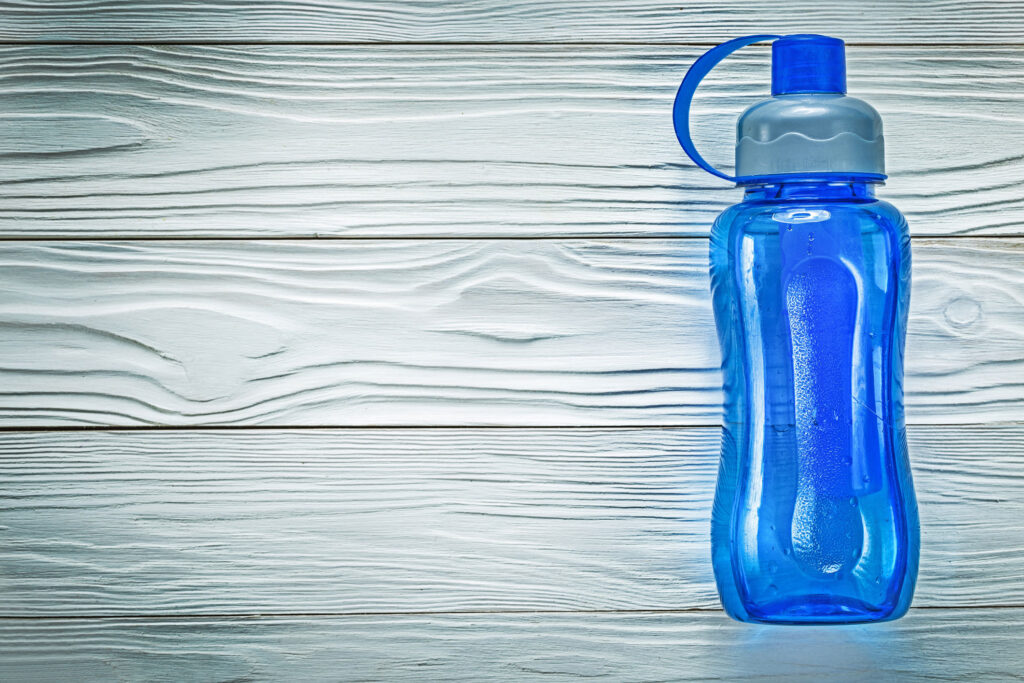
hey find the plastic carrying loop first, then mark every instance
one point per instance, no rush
(684, 97)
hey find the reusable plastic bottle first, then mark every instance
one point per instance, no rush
(815, 519)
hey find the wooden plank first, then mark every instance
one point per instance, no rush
(643, 21)
(354, 521)
(975, 645)
(457, 141)
(447, 332)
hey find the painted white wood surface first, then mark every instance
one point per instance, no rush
(408, 520)
(444, 332)
(927, 645)
(644, 21)
(458, 140)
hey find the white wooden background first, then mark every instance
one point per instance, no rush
(371, 341)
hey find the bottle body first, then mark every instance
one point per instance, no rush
(815, 518)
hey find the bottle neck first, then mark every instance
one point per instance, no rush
(830, 190)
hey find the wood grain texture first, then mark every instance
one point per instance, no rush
(356, 521)
(457, 141)
(682, 21)
(945, 645)
(383, 332)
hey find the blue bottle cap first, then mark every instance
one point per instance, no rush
(808, 63)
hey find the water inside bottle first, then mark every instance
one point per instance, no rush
(815, 518)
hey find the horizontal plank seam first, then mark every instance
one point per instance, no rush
(357, 238)
(266, 427)
(276, 615)
(425, 238)
(367, 427)
(525, 612)
(430, 43)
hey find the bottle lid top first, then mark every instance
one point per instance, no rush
(808, 63)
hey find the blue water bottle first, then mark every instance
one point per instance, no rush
(815, 519)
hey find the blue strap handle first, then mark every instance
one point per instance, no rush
(684, 97)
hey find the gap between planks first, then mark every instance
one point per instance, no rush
(432, 613)
(403, 427)
(596, 237)
(456, 43)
